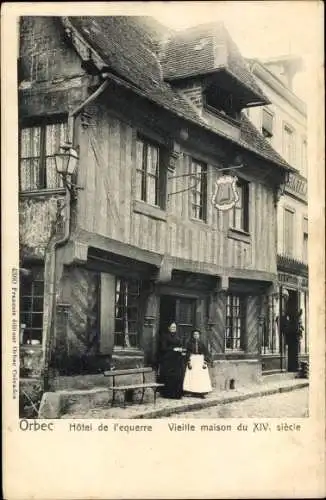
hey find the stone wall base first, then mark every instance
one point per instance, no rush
(234, 374)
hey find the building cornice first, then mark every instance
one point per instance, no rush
(267, 77)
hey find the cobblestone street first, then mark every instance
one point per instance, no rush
(288, 404)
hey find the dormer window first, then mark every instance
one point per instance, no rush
(222, 101)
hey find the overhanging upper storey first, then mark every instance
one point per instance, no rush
(209, 51)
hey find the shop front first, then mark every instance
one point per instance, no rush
(285, 328)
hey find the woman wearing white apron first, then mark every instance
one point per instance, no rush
(197, 379)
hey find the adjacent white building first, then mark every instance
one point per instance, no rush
(284, 123)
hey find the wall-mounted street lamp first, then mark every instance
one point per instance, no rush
(66, 161)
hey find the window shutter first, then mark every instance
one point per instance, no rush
(267, 123)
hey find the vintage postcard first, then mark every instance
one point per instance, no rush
(163, 250)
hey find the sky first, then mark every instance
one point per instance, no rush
(261, 29)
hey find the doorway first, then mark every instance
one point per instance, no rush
(292, 311)
(182, 310)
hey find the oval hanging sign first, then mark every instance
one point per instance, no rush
(225, 195)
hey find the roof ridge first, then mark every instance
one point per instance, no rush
(135, 68)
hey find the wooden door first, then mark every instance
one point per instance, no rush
(185, 317)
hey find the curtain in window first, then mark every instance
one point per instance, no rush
(234, 322)
(126, 313)
(30, 151)
(55, 135)
(147, 172)
(38, 145)
(238, 211)
(152, 173)
(198, 190)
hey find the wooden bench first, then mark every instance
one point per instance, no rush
(131, 387)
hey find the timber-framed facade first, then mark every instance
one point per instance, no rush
(141, 243)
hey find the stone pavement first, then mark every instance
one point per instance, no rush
(290, 404)
(168, 407)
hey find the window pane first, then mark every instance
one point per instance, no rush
(31, 306)
(198, 182)
(118, 325)
(133, 339)
(26, 303)
(152, 160)
(55, 135)
(53, 179)
(30, 174)
(238, 216)
(30, 142)
(126, 311)
(132, 326)
(38, 288)
(38, 304)
(234, 322)
(37, 319)
(26, 318)
(151, 196)
(119, 339)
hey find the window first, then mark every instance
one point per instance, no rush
(38, 145)
(304, 158)
(31, 307)
(288, 231)
(305, 241)
(221, 100)
(240, 212)
(269, 325)
(127, 312)
(235, 322)
(288, 145)
(198, 180)
(149, 173)
(267, 123)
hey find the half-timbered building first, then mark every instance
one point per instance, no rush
(155, 116)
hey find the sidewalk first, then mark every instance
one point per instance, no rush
(167, 407)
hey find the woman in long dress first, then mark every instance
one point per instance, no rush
(172, 363)
(197, 379)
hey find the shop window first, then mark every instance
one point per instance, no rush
(198, 180)
(240, 212)
(38, 145)
(269, 325)
(150, 173)
(31, 307)
(235, 323)
(288, 231)
(127, 308)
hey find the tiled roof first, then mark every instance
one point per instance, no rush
(252, 136)
(129, 46)
(204, 49)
